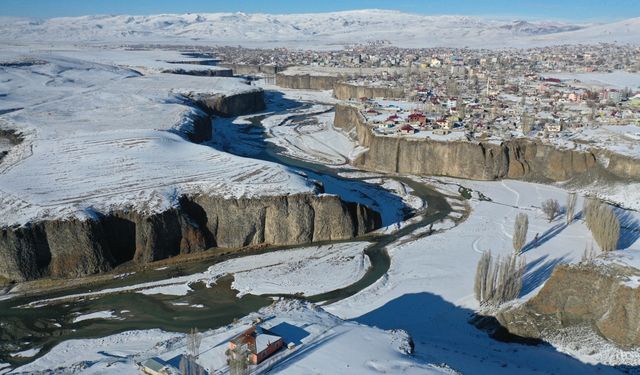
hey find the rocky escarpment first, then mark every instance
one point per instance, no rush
(346, 91)
(74, 247)
(578, 296)
(517, 159)
(242, 69)
(306, 81)
(341, 90)
(232, 104)
(199, 128)
(200, 72)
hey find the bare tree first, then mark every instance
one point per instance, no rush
(189, 366)
(498, 280)
(550, 208)
(572, 198)
(589, 253)
(194, 339)
(482, 271)
(603, 224)
(238, 360)
(520, 230)
(188, 363)
(509, 279)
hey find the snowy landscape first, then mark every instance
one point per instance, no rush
(171, 202)
(319, 30)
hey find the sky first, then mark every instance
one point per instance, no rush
(587, 10)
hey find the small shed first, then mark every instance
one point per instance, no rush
(156, 366)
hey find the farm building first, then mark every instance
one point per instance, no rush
(259, 342)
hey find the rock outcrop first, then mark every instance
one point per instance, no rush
(516, 159)
(346, 91)
(306, 81)
(242, 69)
(200, 72)
(233, 104)
(341, 90)
(74, 247)
(584, 295)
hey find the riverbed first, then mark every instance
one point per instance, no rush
(39, 328)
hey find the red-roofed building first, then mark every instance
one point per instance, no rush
(407, 129)
(258, 342)
(418, 118)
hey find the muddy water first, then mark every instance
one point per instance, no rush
(203, 308)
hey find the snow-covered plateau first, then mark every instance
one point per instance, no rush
(98, 137)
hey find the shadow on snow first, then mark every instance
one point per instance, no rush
(442, 334)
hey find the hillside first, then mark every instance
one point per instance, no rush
(328, 30)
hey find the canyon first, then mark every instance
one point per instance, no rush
(66, 246)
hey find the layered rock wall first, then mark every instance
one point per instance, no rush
(520, 158)
(346, 91)
(201, 72)
(74, 247)
(232, 105)
(581, 296)
(306, 81)
(242, 69)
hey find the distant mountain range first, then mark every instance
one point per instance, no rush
(318, 30)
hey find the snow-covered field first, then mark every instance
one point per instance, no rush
(146, 60)
(617, 79)
(323, 30)
(277, 272)
(99, 137)
(620, 139)
(435, 275)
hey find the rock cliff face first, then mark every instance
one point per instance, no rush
(306, 81)
(345, 91)
(201, 73)
(581, 295)
(515, 159)
(232, 105)
(240, 69)
(341, 90)
(71, 248)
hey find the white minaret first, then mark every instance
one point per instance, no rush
(487, 86)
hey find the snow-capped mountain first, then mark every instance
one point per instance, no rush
(314, 30)
(523, 27)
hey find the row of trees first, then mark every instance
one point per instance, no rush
(498, 280)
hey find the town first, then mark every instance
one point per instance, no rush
(553, 94)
